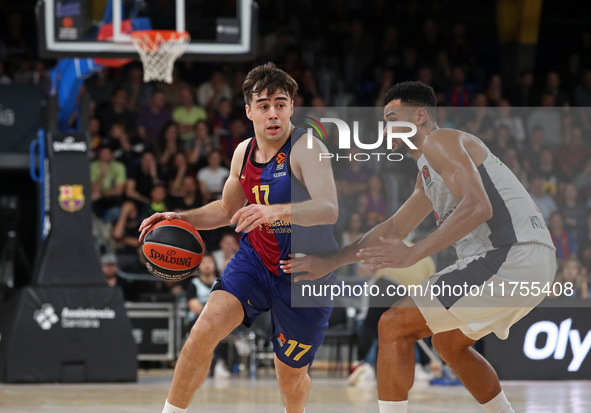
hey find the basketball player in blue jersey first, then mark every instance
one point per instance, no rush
(498, 233)
(257, 197)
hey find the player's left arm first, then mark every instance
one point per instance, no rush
(448, 155)
(317, 176)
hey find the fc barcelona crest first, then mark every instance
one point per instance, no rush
(71, 197)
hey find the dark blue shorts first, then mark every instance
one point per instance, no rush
(296, 333)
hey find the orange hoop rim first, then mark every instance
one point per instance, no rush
(164, 35)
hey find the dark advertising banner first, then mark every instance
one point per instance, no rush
(70, 20)
(20, 117)
(550, 343)
(66, 335)
(68, 255)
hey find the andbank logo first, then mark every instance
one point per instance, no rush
(392, 130)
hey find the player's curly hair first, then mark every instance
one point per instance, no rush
(270, 78)
(414, 94)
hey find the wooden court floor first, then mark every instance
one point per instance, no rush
(243, 395)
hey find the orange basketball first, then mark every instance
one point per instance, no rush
(173, 250)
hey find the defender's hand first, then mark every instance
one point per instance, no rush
(148, 222)
(392, 254)
(313, 266)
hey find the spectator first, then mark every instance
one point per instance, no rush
(152, 119)
(459, 47)
(127, 149)
(307, 86)
(100, 88)
(141, 180)
(220, 122)
(431, 41)
(524, 93)
(169, 144)
(189, 197)
(210, 93)
(372, 203)
(549, 119)
(172, 91)
(443, 119)
(237, 95)
(544, 202)
(212, 177)
(573, 154)
(125, 229)
(504, 117)
(352, 179)
(583, 181)
(94, 131)
(460, 93)
(386, 82)
(187, 115)
(107, 178)
(179, 168)
(358, 52)
(548, 171)
(354, 228)
(553, 87)
(157, 202)
(197, 294)
(510, 158)
(204, 143)
(479, 120)
(585, 256)
(582, 93)
(586, 231)
(572, 280)
(530, 152)
(494, 90)
(573, 211)
(199, 288)
(502, 141)
(117, 112)
(228, 247)
(237, 133)
(109, 266)
(352, 232)
(564, 240)
(138, 91)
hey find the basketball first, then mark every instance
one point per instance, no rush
(173, 250)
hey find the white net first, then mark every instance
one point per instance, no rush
(158, 50)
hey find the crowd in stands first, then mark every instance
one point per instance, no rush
(166, 147)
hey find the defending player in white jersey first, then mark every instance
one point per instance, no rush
(500, 238)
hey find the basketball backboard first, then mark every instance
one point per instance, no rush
(219, 29)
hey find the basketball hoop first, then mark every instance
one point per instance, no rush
(159, 49)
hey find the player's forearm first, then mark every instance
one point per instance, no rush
(387, 229)
(460, 223)
(209, 216)
(313, 212)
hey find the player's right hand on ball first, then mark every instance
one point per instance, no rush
(158, 216)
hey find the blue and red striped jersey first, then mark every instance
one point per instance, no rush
(271, 183)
